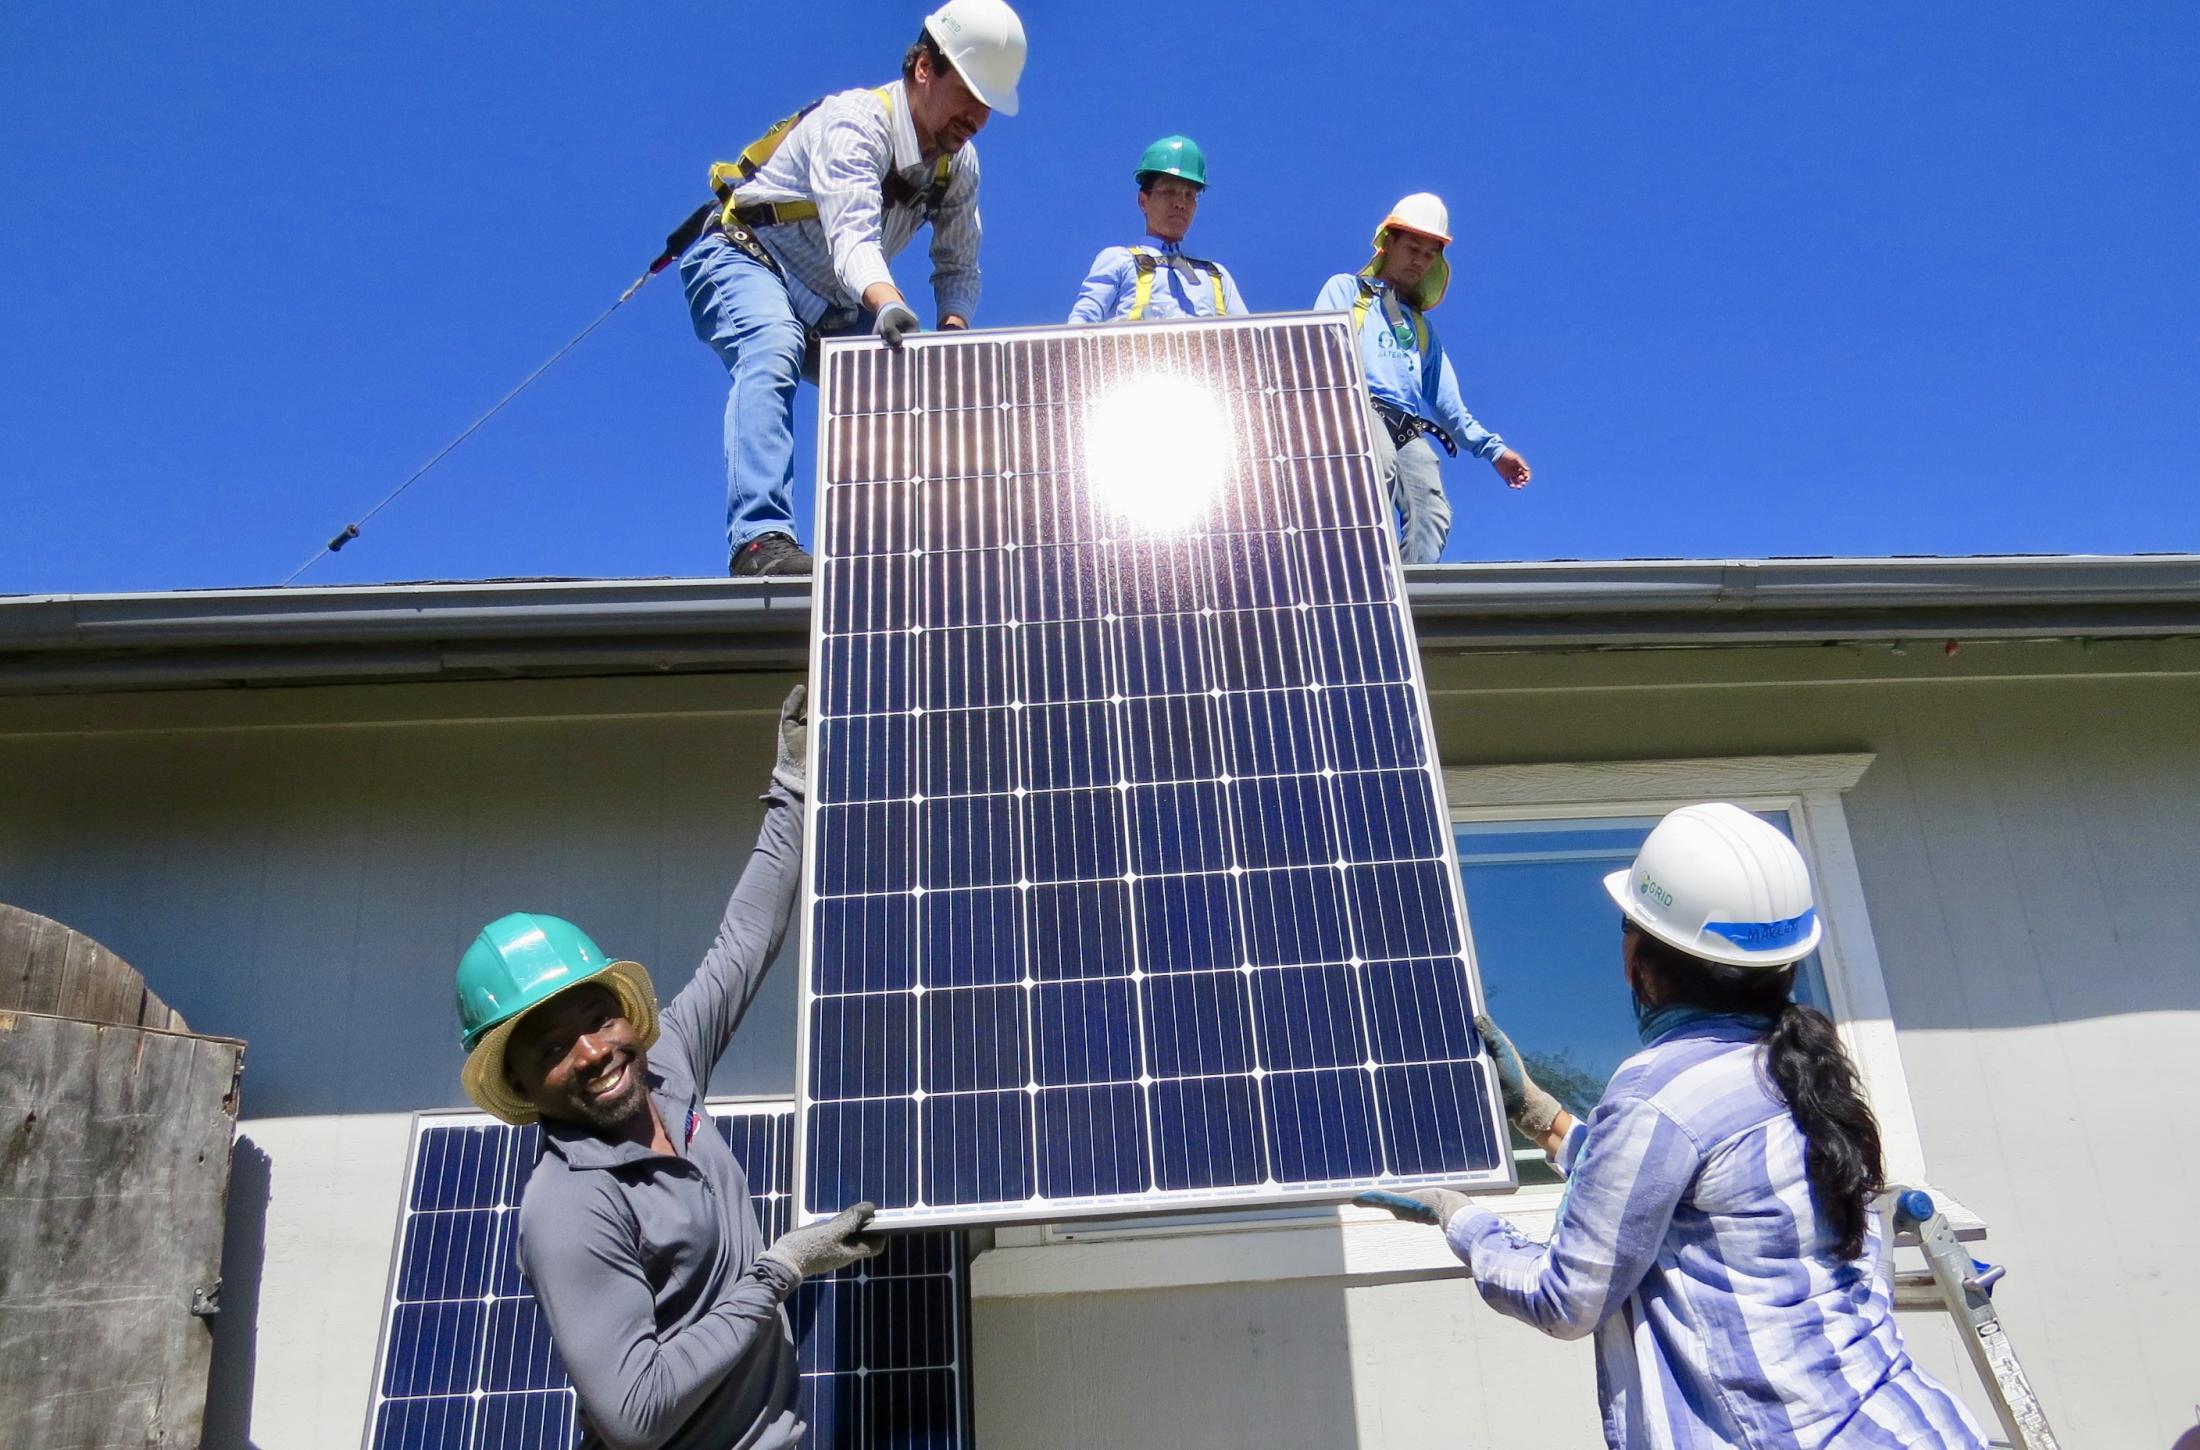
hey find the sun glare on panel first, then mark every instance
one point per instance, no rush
(1158, 451)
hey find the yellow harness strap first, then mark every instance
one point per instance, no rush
(727, 176)
(1359, 316)
(1148, 264)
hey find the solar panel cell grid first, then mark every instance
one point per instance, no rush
(1125, 793)
(467, 1359)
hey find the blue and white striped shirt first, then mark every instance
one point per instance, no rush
(1688, 1244)
(1110, 289)
(838, 156)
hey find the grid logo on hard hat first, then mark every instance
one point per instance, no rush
(1650, 888)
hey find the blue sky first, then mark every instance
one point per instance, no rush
(1737, 279)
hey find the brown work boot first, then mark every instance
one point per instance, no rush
(769, 555)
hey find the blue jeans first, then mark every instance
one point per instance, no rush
(741, 309)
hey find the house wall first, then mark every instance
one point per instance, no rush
(302, 867)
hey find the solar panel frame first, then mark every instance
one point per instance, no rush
(889, 465)
(837, 1401)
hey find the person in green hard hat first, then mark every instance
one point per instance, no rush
(635, 1228)
(1155, 279)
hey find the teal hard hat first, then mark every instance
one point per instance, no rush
(1174, 156)
(516, 963)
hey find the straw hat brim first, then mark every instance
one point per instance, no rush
(483, 1074)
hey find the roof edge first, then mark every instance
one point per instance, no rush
(496, 628)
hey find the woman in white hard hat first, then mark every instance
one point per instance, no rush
(1716, 1236)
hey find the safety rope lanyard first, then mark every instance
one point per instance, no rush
(351, 530)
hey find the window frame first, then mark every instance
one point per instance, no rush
(1366, 1246)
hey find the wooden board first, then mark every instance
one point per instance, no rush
(48, 968)
(114, 1167)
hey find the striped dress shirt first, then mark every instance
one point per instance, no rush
(838, 157)
(1688, 1244)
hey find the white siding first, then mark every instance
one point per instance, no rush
(302, 867)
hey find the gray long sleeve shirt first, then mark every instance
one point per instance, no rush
(647, 1266)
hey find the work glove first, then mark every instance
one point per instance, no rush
(894, 322)
(1442, 1202)
(1530, 1109)
(791, 770)
(821, 1248)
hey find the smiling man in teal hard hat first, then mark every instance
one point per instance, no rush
(635, 1228)
(1156, 279)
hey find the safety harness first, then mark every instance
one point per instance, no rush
(728, 176)
(1394, 313)
(739, 222)
(1150, 262)
(1404, 427)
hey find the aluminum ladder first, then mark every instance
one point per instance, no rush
(1954, 1281)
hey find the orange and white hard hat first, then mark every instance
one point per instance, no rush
(1424, 214)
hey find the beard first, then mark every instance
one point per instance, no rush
(608, 1115)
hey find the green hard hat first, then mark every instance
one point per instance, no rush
(1174, 156)
(517, 961)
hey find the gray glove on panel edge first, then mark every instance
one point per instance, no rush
(820, 1248)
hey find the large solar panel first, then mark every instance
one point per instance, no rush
(1130, 882)
(466, 1358)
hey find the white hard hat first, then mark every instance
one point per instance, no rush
(1721, 884)
(1422, 212)
(984, 41)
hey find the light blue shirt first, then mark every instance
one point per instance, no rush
(1179, 289)
(1401, 374)
(1688, 1244)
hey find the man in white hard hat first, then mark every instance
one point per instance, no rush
(806, 221)
(1414, 393)
(1717, 1236)
(1156, 279)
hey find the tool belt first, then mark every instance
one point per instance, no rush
(1405, 427)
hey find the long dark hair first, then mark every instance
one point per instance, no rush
(1805, 1060)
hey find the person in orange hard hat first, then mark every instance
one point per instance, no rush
(636, 1229)
(1413, 392)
